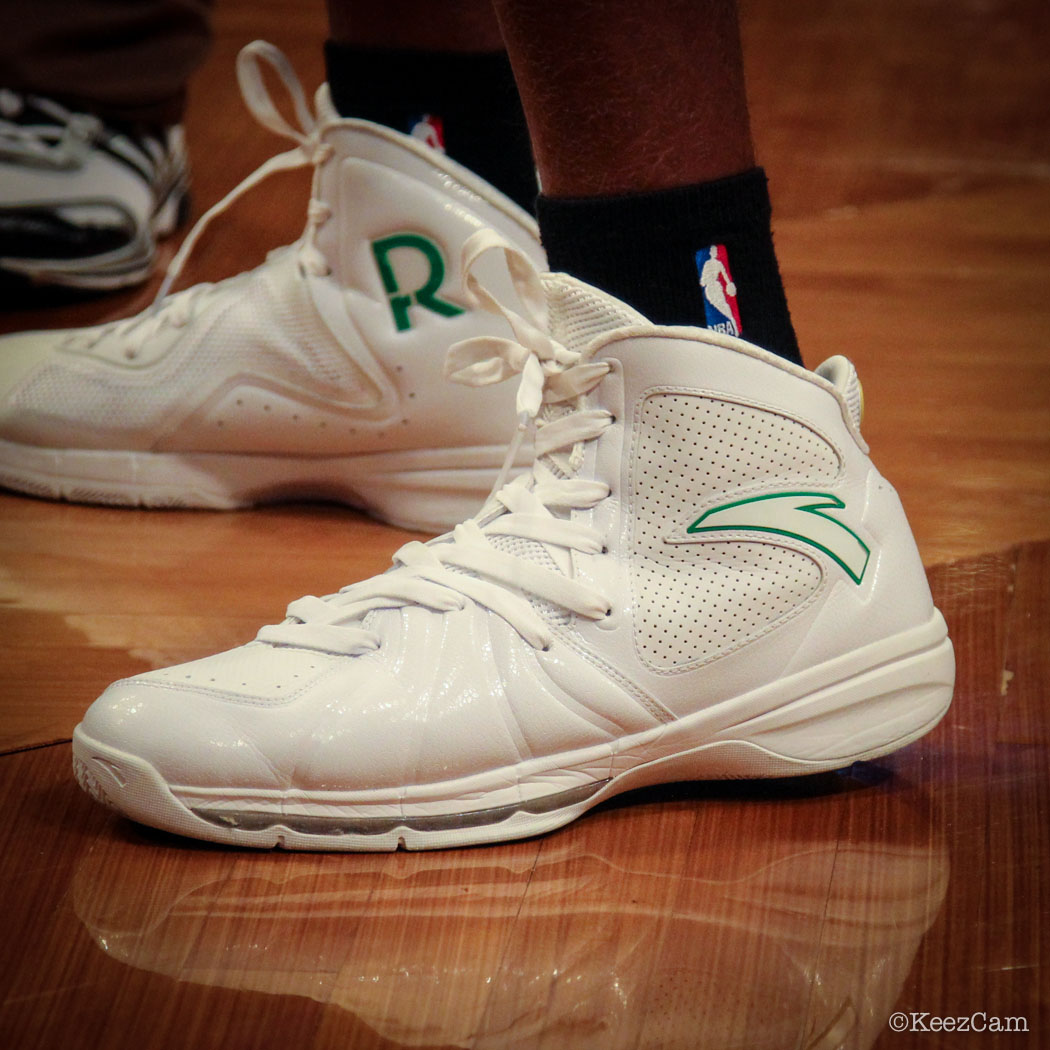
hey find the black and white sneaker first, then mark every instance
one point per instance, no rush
(82, 203)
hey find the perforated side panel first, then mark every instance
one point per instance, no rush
(697, 600)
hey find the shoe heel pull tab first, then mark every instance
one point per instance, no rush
(841, 374)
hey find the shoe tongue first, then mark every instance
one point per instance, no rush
(579, 313)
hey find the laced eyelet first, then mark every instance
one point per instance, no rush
(468, 565)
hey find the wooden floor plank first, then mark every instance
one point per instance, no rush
(89, 594)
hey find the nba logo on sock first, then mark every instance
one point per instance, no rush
(718, 289)
(429, 129)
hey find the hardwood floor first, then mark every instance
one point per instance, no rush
(908, 148)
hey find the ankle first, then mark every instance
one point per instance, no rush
(680, 256)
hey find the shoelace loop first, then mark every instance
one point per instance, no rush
(175, 310)
(310, 149)
(465, 566)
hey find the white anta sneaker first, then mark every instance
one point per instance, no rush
(702, 576)
(318, 374)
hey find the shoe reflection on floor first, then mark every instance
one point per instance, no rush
(781, 921)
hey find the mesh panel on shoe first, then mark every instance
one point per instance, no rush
(532, 550)
(696, 600)
(292, 313)
(578, 312)
(839, 371)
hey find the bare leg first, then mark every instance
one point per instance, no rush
(416, 25)
(640, 129)
(629, 95)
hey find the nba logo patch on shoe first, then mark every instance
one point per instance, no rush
(429, 129)
(718, 289)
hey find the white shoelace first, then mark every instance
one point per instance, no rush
(176, 310)
(464, 566)
(60, 141)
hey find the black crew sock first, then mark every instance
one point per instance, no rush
(471, 98)
(652, 249)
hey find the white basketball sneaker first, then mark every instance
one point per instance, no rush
(318, 374)
(702, 576)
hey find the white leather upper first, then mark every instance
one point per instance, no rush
(686, 420)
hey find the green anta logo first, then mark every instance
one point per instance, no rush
(806, 516)
(426, 294)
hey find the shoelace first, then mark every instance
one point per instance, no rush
(176, 310)
(464, 566)
(59, 140)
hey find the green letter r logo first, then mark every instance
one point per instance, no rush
(426, 295)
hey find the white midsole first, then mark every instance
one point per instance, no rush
(418, 488)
